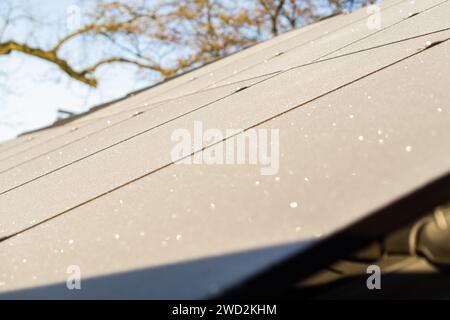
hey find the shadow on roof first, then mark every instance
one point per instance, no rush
(185, 280)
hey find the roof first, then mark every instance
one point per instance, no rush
(363, 117)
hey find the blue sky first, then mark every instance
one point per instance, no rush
(34, 90)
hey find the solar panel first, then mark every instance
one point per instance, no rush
(357, 134)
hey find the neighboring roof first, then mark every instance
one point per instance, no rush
(363, 117)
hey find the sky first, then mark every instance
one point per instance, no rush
(34, 90)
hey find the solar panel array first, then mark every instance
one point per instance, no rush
(363, 116)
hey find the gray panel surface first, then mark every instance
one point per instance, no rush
(107, 170)
(238, 111)
(65, 152)
(358, 131)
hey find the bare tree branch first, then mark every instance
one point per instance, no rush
(193, 31)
